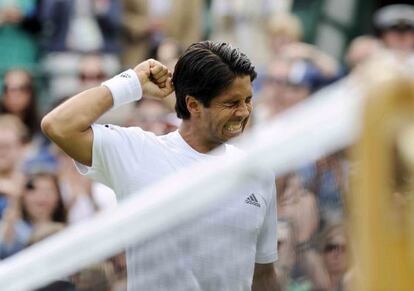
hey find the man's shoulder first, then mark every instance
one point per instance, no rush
(122, 131)
(126, 140)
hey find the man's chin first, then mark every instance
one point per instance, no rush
(230, 135)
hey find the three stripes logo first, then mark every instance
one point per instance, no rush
(252, 200)
(125, 75)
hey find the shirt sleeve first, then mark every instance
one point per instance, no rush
(111, 145)
(266, 248)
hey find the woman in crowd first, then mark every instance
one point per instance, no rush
(334, 254)
(40, 206)
(19, 98)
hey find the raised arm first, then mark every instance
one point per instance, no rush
(69, 125)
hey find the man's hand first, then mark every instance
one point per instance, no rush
(155, 79)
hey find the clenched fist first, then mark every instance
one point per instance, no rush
(155, 79)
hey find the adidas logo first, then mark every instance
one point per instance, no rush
(125, 75)
(252, 200)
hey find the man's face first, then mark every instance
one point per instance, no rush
(228, 113)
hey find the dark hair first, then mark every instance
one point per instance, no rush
(59, 214)
(206, 69)
(30, 118)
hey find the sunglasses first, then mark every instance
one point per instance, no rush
(402, 27)
(334, 247)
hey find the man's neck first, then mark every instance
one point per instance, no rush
(191, 134)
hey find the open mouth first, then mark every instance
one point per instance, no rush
(234, 127)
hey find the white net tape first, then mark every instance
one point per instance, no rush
(323, 124)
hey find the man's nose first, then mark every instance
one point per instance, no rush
(243, 110)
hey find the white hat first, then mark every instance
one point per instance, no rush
(398, 16)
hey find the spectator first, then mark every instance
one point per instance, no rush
(299, 207)
(243, 25)
(361, 49)
(286, 83)
(185, 21)
(334, 254)
(41, 233)
(143, 25)
(270, 96)
(120, 270)
(12, 134)
(75, 28)
(285, 32)
(18, 44)
(150, 115)
(20, 99)
(395, 26)
(98, 277)
(168, 52)
(286, 253)
(81, 25)
(135, 32)
(91, 71)
(82, 197)
(41, 206)
(45, 230)
(302, 80)
(283, 29)
(327, 68)
(285, 49)
(327, 178)
(146, 24)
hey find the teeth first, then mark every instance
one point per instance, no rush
(233, 127)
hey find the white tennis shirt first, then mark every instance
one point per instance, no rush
(215, 252)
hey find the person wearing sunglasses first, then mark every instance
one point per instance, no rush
(334, 254)
(395, 27)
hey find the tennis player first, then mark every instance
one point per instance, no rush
(233, 246)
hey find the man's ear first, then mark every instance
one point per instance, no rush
(193, 105)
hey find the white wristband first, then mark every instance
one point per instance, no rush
(125, 88)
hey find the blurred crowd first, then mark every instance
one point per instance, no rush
(53, 49)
